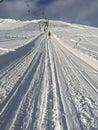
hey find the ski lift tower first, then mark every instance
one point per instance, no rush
(44, 23)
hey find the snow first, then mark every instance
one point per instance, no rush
(9, 24)
(48, 84)
(92, 62)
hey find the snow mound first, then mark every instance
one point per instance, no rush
(8, 21)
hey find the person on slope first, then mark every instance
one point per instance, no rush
(49, 34)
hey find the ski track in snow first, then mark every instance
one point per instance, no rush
(43, 87)
(78, 88)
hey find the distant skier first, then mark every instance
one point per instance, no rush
(49, 34)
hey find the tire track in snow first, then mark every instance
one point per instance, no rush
(83, 76)
(19, 92)
(64, 94)
(85, 110)
(28, 106)
(52, 118)
(35, 114)
(62, 117)
(12, 56)
(86, 105)
(15, 75)
(48, 119)
(15, 57)
(16, 68)
(15, 100)
(40, 124)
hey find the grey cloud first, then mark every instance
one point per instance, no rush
(81, 11)
(45, 2)
(15, 9)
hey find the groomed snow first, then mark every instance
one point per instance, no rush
(48, 83)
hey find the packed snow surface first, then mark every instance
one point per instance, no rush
(48, 83)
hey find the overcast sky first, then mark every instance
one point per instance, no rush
(79, 11)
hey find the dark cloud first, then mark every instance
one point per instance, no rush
(1, 1)
(45, 2)
(81, 11)
(14, 9)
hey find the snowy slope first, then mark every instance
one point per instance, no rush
(48, 84)
(14, 34)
